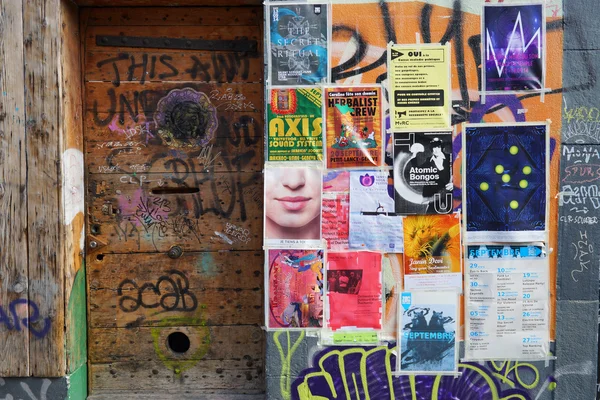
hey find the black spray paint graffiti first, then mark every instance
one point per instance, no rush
(221, 67)
(170, 292)
(30, 322)
(453, 33)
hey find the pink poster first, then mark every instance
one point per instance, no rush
(354, 290)
(295, 289)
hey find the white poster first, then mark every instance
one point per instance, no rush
(373, 222)
(507, 302)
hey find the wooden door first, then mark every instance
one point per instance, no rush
(173, 155)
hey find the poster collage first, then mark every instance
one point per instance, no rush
(374, 229)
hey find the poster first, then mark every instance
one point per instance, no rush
(298, 35)
(513, 47)
(423, 172)
(354, 290)
(391, 271)
(432, 252)
(373, 222)
(292, 207)
(505, 173)
(295, 124)
(428, 327)
(295, 292)
(419, 79)
(354, 130)
(336, 209)
(507, 302)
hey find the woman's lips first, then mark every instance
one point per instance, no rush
(296, 203)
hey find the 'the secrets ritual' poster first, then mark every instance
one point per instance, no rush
(298, 44)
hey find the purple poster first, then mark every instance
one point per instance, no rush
(513, 47)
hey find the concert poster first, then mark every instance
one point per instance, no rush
(295, 292)
(432, 252)
(354, 290)
(295, 124)
(298, 36)
(514, 46)
(505, 178)
(423, 172)
(427, 324)
(354, 131)
(336, 209)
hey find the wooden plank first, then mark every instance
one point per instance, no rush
(227, 270)
(132, 99)
(237, 145)
(143, 344)
(166, 3)
(156, 16)
(129, 395)
(42, 108)
(111, 308)
(155, 65)
(249, 32)
(136, 213)
(73, 187)
(204, 377)
(14, 345)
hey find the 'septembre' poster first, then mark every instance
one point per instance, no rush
(427, 325)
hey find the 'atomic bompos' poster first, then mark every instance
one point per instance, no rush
(295, 124)
(513, 47)
(295, 293)
(423, 172)
(427, 323)
(354, 134)
(298, 44)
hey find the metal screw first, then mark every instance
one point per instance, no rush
(175, 252)
(93, 244)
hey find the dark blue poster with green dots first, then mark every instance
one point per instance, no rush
(505, 186)
(298, 36)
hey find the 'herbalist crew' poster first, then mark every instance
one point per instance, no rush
(298, 44)
(354, 132)
(295, 125)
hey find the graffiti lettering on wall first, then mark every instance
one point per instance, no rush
(170, 292)
(584, 253)
(37, 325)
(24, 391)
(220, 66)
(367, 373)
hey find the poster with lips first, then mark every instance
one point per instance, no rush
(293, 207)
